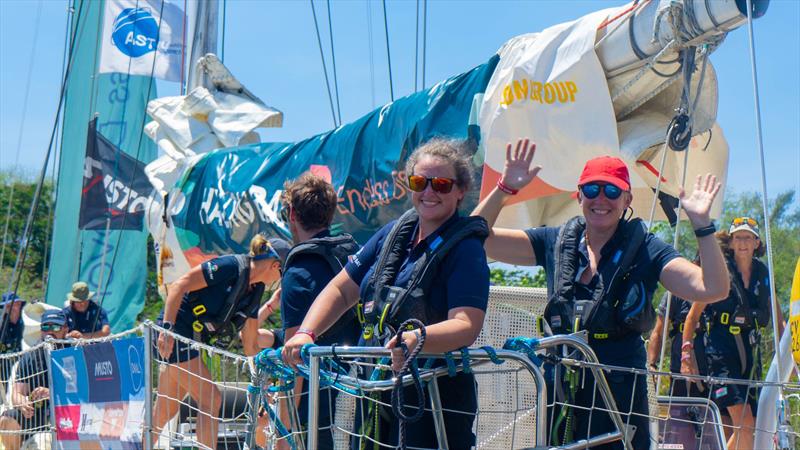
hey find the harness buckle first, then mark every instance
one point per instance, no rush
(680, 327)
(724, 318)
(199, 310)
(735, 329)
(197, 326)
(600, 335)
(360, 313)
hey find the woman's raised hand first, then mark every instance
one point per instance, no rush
(518, 172)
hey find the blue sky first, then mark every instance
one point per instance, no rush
(271, 47)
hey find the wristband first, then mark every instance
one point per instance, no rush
(307, 332)
(705, 231)
(687, 344)
(506, 189)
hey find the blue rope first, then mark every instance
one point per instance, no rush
(524, 345)
(465, 367)
(492, 354)
(451, 364)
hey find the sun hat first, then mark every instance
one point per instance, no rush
(80, 292)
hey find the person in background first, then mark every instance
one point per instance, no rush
(30, 395)
(214, 301)
(14, 324)
(602, 269)
(440, 254)
(85, 318)
(734, 330)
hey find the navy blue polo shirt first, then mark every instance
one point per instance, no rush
(647, 264)
(463, 279)
(85, 321)
(12, 340)
(300, 284)
(220, 274)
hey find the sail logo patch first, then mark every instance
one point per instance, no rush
(135, 32)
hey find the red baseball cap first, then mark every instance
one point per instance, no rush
(606, 168)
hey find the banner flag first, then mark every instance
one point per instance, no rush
(98, 395)
(115, 186)
(143, 37)
(118, 100)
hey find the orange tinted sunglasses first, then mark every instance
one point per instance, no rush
(418, 183)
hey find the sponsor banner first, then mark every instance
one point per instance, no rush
(229, 195)
(115, 187)
(99, 395)
(143, 37)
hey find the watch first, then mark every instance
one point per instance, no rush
(169, 326)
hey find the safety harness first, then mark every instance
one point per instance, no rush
(738, 314)
(619, 306)
(384, 306)
(225, 325)
(334, 250)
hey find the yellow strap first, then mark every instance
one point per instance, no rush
(600, 335)
(199, 310)
(383, 317)
(197, 326)
(360, 313)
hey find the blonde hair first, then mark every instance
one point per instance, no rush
(258, 245)
(453, 151)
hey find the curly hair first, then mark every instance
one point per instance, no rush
(453, 151)
(312, 199)
(724, 238)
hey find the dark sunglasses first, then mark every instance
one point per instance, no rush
(592, 190)
(51, 327)
(418, 183)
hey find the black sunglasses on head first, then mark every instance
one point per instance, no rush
(592, 190)
(285, 212)
(442, 185)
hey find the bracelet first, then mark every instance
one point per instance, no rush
(705, 231)
(687, 344)
(506, 189)
(307, 332)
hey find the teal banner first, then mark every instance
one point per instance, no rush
(112, 263)
(231, 194)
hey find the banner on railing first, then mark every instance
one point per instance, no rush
(99, 395)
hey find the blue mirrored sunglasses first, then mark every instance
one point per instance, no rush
(51, 327)
(592, 190)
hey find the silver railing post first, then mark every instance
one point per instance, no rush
(147, 331)
(313, 402)
(253, 397)
(48, 347)
(438, 415)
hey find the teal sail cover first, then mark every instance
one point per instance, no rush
(119, 101)
(229, 195)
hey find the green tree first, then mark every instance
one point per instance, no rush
(517, 277)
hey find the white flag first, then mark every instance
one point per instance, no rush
(143, 37)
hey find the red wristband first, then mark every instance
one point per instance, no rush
(506, 189)
(307, 332)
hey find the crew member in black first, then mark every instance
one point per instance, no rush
(429, 265)
(14, 325)
(30, 394)
(212, 302)
(734, 330)
(85, 318)
(678, 311)
(583, 261)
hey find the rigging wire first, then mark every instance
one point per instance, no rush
(416, 47)
(371, 52)
(767, 230)
(388, 53)
(324, 66)
(24, 242)
(333, 63)
(424, 38)
(224, 19)
(25, 98)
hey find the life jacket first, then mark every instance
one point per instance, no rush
(334, 250)
(737, 311)
(619, 306)
(230, 319)
(384, 305)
